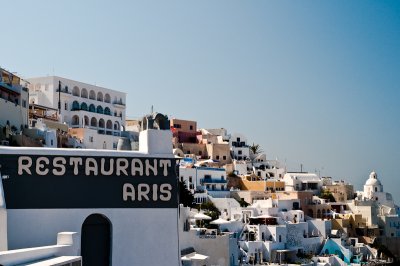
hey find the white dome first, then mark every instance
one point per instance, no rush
(373, 180)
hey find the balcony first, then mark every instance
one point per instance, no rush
(119, 103)
(64, 91)
(212, 181)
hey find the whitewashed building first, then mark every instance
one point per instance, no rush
(13, 101)
(122, 205)
(239, 147)
(96, 115)
(302, 182)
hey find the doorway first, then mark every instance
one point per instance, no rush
(96, 241)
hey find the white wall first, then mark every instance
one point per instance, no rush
(139, 236)
(15, 114)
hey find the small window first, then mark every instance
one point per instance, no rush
(91, 139)
(191, 127)
(217, 157)
(24, 103)
(190, 179)
(224, 157)
(239, 152)
(200, 153)
(65, 106)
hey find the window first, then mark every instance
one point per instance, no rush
(190, 179)
(217, 157)
(239, 152)
(65, 106)
(191, 127)
(91, 139)
(222, 177)
(224, 157)
(238, 139)
(200, 152)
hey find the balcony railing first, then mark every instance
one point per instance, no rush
(119, 103)
(212, 181)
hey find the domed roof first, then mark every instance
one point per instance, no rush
(373, 180)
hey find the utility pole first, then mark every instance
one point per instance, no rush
(59, 97)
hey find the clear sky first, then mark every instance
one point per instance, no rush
(313, 82)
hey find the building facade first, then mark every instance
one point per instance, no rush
(98, 113)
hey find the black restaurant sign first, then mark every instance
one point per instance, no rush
(56, 181)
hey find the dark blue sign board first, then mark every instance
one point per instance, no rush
(56, 182)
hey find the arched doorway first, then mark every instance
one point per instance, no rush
(96, 241)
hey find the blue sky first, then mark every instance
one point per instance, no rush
(313, 82)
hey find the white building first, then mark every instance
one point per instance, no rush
(276, 228)
(95, 114)
(13, 101)
(122, 204)
(302, 182)
(373, 190)
(239, 147)
(267, 168)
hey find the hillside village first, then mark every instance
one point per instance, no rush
(237, 206)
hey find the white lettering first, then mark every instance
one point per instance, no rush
(75, 162)
(122, 165)
(40, 166)
(91, 166)
(151, 167)
(165, 190)
(143, 190)
(59, 165)
(24, 167)
(165, 164)
(111, 168)
(128, 192)
(137, 166)
(155, 192)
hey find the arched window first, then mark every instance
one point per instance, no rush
(99, 109)
(100, 96)
(107, 98)
(101, 123)
(109, 124)
(84, 93)
(92, 108)
(92, 95)
(75, 106)
(75, 91)
(75, 120)
(93, 122)
(86, 121)
(107, 111)
(84, 106)
(116, 126)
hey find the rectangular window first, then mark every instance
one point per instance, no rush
(190, 179)
(65, 106)
(217, 157)
(224, 157)
(24, 103)
(191, 127)
(239, 152)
